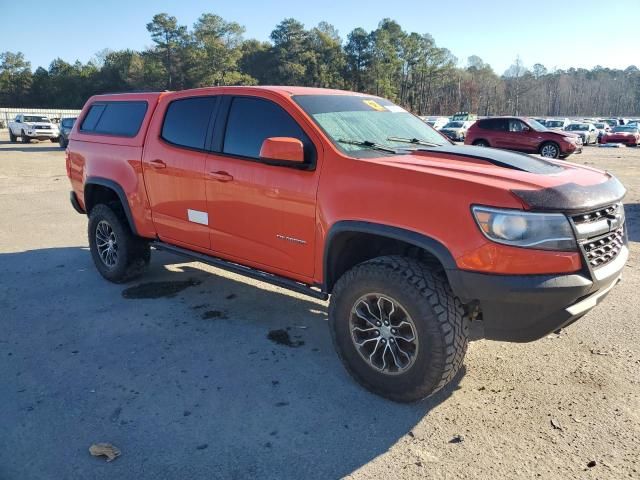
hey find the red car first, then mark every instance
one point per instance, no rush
(524, 135)
(627, 134)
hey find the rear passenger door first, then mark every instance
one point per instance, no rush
(174, 168)
(260, 213)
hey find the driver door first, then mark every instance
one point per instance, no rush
(261, 213)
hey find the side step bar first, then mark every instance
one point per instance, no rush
(276, 280)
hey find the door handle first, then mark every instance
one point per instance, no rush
(221, 176)
(157, 164)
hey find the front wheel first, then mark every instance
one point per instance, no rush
(24, 138)
(54, 140)
(117, 253)
(12, 137)
(550, 150)
(398, 328)
(62, 142)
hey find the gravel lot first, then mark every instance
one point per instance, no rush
(188, 385)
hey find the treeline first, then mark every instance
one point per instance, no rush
(408, 68)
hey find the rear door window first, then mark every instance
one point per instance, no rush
(187, 121)
(252, 120)
(497, 124)
(121, 119)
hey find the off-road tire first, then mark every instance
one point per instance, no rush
(24, 137)
(134, 253)
(53, 140)
(441, 326)
(12, 137)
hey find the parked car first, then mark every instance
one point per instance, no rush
(524, 135)
(32, 127)
(587, 131)
(347, 195)
(613, 122)
(66, 124)
(436, 122)
(457, 130)
(627, 134)
(557, 124)
(541, 121)
(603, 128)
(464, 117)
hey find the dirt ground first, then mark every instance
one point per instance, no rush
(193, 375)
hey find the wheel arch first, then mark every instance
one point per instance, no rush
(99, 190)
(350, 242)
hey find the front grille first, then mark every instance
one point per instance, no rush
(42, 127)
(611, 210)
(602, 250)
(601, 234)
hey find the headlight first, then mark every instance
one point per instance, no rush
(543, 231)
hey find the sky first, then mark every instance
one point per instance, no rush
(556, 33)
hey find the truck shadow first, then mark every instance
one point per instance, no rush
(35, 147)
(183, 372)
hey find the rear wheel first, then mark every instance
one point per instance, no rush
(117, 253)
(481, 143)
(398, 328)
(550, 150)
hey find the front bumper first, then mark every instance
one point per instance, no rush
(42, 135)
(523, 308)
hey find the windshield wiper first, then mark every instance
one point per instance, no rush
(368, 144)
(414, 141)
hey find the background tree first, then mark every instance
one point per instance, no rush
(407, 67)
(170, 39)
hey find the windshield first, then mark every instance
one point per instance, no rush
(537, 126)
(554, 123)
(625, 128)
(359, 119)
(599, 125)
(577, 127)
(454, 125)
(30, 118)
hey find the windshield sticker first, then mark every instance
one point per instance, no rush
(395, 109)
(375, 105)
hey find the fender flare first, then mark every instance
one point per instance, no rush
(108, 183)
(431, 245)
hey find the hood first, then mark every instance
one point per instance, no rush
(540, 184)
(563, 133)
(620, 134)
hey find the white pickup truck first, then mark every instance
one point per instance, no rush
(29, 127)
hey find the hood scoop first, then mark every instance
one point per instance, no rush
(499, 158)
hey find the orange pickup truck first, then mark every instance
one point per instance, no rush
(340, 194)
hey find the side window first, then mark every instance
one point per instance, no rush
(252, 120)
(515, 125)
(92, 117)
(495, 124)
(186, 122)
(121, 119)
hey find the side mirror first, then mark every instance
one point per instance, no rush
(282, 149)
(18, 120)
